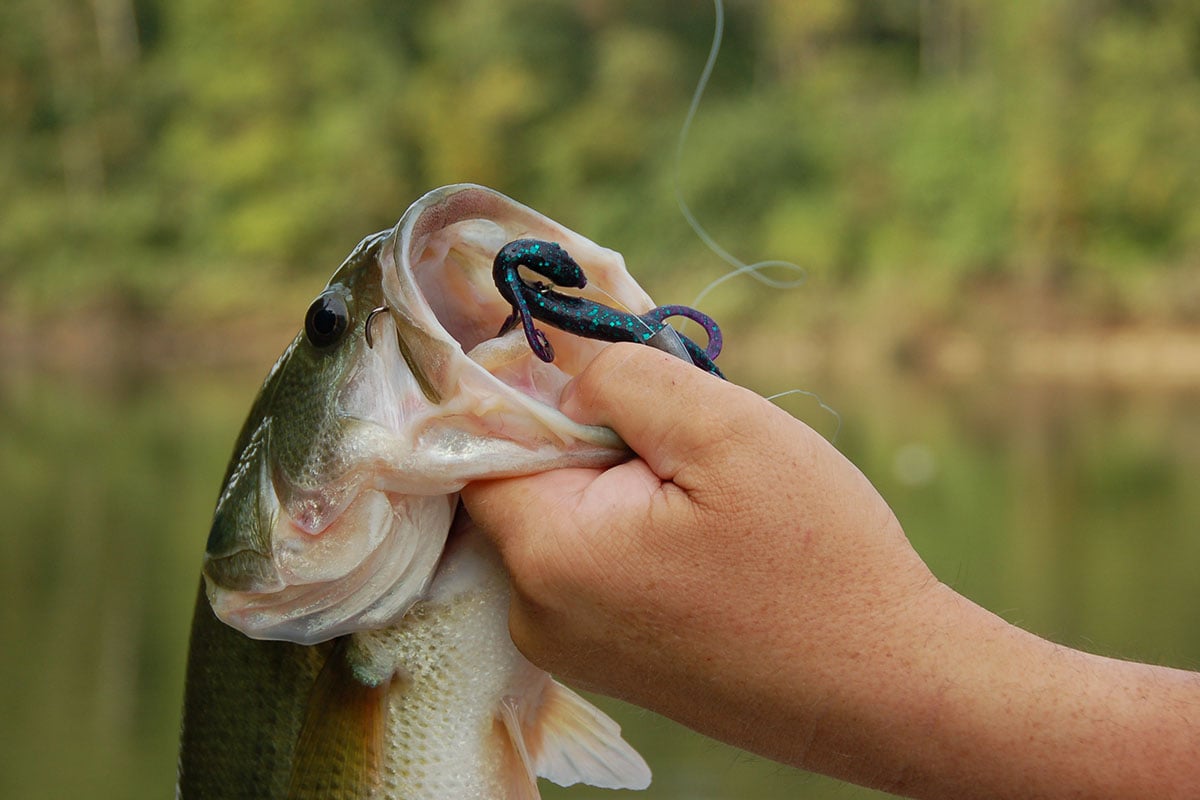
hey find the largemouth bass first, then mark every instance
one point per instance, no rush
(350, 639)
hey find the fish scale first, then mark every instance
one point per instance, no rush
(442, 734)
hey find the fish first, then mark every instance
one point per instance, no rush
(350, 637)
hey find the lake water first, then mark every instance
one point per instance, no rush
(1071, 512)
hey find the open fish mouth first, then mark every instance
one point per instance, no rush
(343, 486)
(442, 286)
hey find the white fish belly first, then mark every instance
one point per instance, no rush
(454, 665)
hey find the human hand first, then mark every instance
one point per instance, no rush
(739, 575)
(742, 577)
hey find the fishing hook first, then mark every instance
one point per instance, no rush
(367, 325)
(584, 317)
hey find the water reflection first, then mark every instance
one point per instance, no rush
(1072, 513)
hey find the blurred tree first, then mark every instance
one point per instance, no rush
(153, 147)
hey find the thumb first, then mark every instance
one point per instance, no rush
(668, 411)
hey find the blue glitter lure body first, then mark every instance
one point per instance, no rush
(579, 315)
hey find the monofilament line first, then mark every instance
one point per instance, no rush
(824, 406)
(739, 267)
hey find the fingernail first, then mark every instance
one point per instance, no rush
(566, 397)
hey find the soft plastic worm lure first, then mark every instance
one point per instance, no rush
(584, 317)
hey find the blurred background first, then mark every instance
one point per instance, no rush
(995, 204)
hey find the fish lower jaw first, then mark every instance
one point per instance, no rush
(241, 571)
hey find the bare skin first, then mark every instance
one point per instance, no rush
(742, 577)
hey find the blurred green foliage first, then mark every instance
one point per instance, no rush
(155, 147)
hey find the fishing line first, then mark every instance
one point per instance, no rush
(711, 336)
(824, 407)
(740, 267)
(617, 302)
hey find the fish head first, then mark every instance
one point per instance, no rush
(343, 484)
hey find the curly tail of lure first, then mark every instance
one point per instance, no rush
(584, 317)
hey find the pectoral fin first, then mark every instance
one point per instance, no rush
(340, 749)
(568, 740)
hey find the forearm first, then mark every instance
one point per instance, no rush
(963, 705)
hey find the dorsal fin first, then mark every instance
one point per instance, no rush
(568, 740)
(340, 750)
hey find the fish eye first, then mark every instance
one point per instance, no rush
(326, 320)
